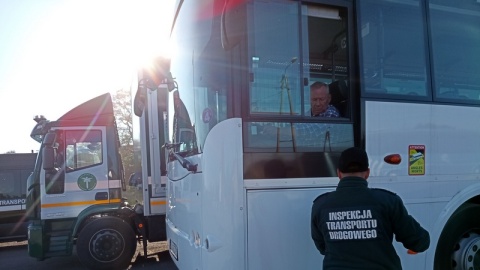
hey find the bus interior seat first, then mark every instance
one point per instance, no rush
(339, 93)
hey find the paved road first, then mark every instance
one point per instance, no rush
(16, 257)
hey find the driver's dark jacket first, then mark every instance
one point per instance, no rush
(354, 225)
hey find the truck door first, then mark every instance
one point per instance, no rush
(80, 174)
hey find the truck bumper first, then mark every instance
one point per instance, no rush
(35, 240)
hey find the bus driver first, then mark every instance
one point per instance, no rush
(320, 101)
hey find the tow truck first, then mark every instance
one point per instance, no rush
(74, 195)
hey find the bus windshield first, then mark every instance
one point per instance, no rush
(277, 71)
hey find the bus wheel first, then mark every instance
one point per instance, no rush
(106, 243)
(459, 244)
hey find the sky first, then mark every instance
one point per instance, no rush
(57, 54)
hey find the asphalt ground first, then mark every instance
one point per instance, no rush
(14, 255)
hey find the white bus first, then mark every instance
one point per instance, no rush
(243, 168)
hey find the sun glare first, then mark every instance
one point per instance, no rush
(102, 41)
(76, 50)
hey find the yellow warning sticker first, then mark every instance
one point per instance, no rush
(416, 159)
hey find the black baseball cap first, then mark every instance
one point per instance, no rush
(352, 160)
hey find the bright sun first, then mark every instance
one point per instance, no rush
(102, 42)
(76, 50)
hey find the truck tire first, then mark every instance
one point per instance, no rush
(106, 243)
(459, 245)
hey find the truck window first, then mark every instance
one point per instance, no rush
(83, 149)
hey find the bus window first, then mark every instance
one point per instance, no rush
(455, 43)
(282, 74)
(13, 183)
(326, 51)
(7, 185)
(183, 132)
(298, 137)
(275, 84)
(392, 48)
(211, 108)
(279, 84)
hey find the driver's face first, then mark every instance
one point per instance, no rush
(319, 100)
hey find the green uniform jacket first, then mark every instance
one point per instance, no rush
(354, 225)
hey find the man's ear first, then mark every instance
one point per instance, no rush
(339, 174)
(367, 174)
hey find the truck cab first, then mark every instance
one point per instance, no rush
(74, 195)
(77, 180)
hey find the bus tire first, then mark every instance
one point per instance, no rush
(106, 243)
(459, 244)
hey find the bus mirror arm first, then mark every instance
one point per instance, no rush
(170, 146)
(185, 163)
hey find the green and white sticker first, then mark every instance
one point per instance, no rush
(87, 181)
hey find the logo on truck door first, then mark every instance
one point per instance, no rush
(87, 181)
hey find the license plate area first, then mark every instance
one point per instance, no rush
(173, 249)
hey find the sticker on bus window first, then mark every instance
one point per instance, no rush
(416, 159)
(207, 115)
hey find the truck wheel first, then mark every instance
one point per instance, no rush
(459, 245)
(106, 243)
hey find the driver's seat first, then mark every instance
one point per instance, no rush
(339, 93)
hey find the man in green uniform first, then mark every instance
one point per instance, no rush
(354, 225)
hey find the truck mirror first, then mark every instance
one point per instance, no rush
(48, 153)
(49, 138)
(159, 71)
(48, 157)
(140, 100)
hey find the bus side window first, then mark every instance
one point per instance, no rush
(7, 185)
(326, 52)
